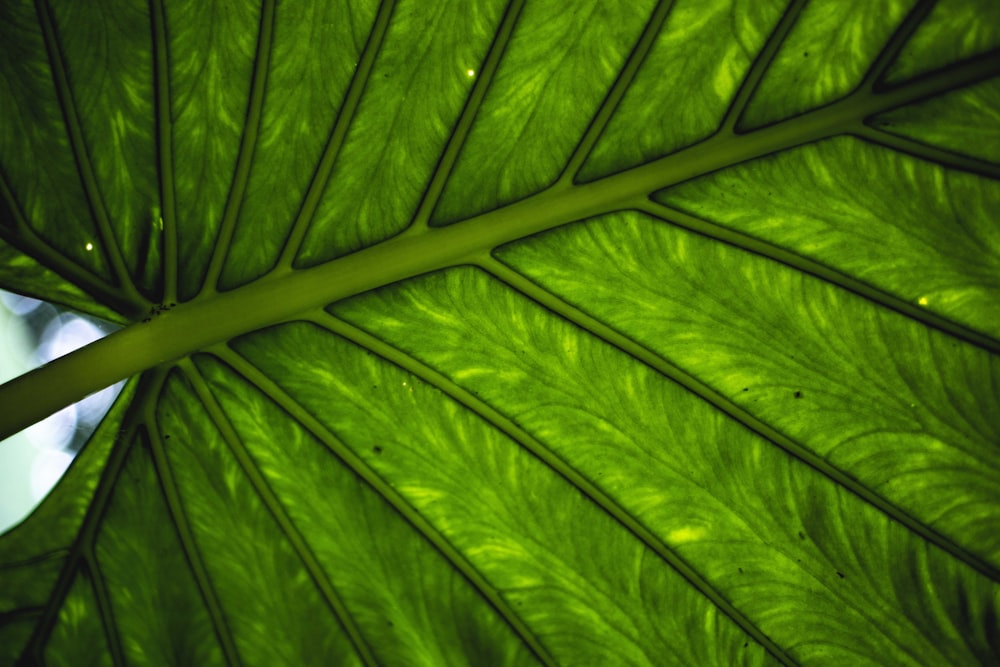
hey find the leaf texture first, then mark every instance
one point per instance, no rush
(503, 333)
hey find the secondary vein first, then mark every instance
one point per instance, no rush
(540, 451)
(603, 116)
(74, 130)
(355, 463)
(661, 365)
(464, 124)
(760, 66)
(165, 151)
(185, 536)
(251, 130)
(84, 542)
(273, 504)
(815, 268)
(337, 136)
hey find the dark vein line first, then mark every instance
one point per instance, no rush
(84, 541)
(57, 554)
(23, 238)
(19, 614)
(625, 77)
(185, 535)
(337, 136)
(891, 50)
(760, 66)
(251, 130)
(940, 81)
(658, 363)
(112, 636)
(285, 524)
(269, 388)
(821, 271)
(588, 489)
(74, 131)
(164, 148)
(930, 153)
(483, 79)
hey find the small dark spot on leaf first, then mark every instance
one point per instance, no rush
(389, 623)
(798, 394)
(805, 54)
(840, 574)
(741, 570)
(745, 644)
(746, 388)
(802, 535)
(166, 437)
(377, 449)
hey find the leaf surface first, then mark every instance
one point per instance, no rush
(523, 333)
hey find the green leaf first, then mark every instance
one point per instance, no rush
(510, 332)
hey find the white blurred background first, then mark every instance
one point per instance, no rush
(32, 333)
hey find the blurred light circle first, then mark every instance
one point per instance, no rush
(19, 305)
(92, 409)
(55, 431)
(46, 469)
(65, 334)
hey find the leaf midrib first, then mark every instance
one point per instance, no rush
(284, 294)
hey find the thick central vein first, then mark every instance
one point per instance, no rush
(286, 294)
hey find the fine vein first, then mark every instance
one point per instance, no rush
(74, 131)
(164, 147)
(760, 66)
(269, 388)
(586, 487)
(464, 124)
(333, 145)
(185, 537)
(818, 269)
(642, 48)
(251, 129)
(270, 500)
(700, 389)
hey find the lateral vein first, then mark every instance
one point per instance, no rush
(735, 412)
(818, 269)
(337, 136)
(109, 243)
(248, 142)
(464, 124)
(584, 486)
(628, 72)
(411, 514)
(285, 524)
(185, 536)
(165, 151)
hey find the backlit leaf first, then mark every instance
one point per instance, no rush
(527, 332)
